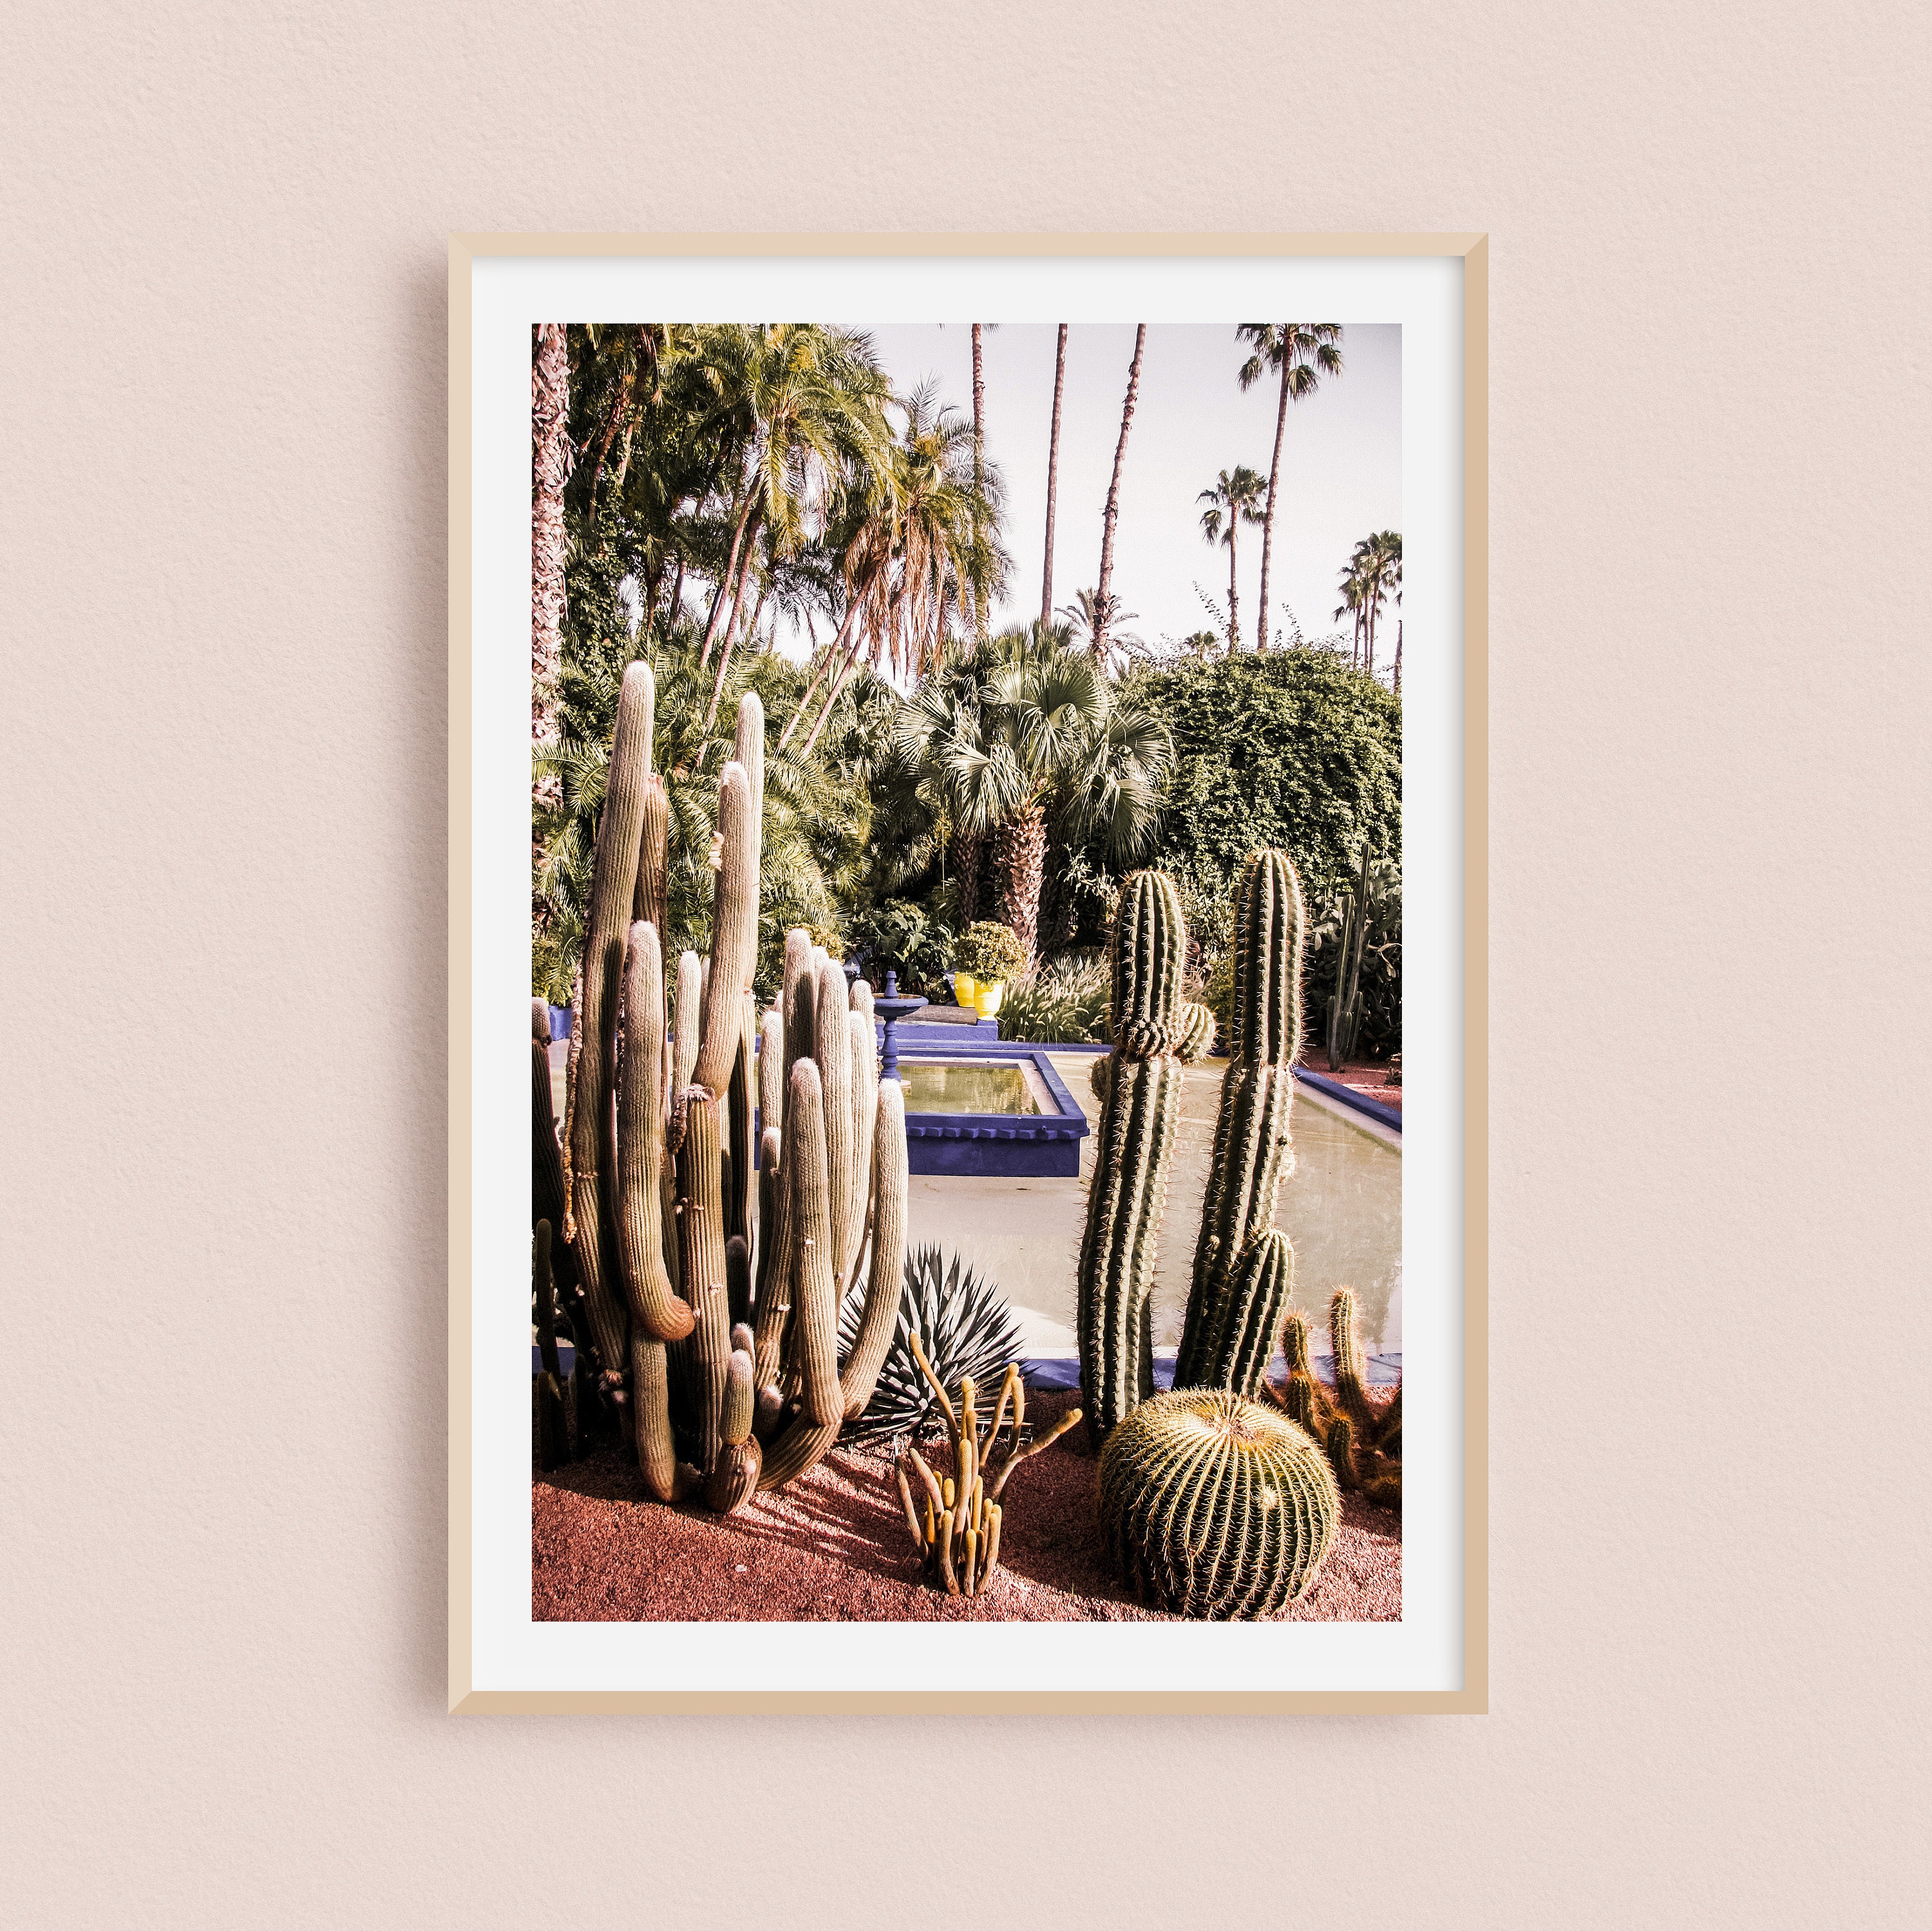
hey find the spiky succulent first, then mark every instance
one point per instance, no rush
(965, 1324)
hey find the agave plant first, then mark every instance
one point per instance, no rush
(964, 1322)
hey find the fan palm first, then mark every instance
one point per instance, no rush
(1230, 502)
(1302, 352)
(1025, 727)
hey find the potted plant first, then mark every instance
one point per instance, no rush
(985, 956)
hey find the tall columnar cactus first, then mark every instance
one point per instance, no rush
(588, 1138)
(1252, 1155)
(1215, 1507)
(1128, 1193)
(732, 1346)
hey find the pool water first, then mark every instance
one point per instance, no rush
(933, 1086)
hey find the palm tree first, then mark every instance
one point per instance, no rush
(1110, 516)
(1023, 727)
(918, 532)
(1371, 574)
(1052, 476)
(1230, 502)
(1095, 627)
(809, 401)
(551, 460)
(1303, 352)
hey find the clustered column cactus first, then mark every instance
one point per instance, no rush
(1362, 1437)
(1243, 1270)
(958, 1537)
(729, 1391)
(1215, 1507)
(1134, 1146)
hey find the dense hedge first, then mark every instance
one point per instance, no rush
(1291, 748)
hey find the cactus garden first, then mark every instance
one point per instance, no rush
(802, 1346)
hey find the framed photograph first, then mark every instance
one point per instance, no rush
(994, 886)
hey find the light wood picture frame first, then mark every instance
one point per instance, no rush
(500, 283)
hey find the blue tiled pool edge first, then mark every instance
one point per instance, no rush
(1012, 1145)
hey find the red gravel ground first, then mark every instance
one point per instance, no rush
(833, 1545)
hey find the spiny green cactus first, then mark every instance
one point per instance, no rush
(1352, 1371)
(1214, 1506)
(1128, 1193)
(1363, 1441)
(1234, 1353)
(1252, 1155)
(1198, 1028)
(1341, 1450)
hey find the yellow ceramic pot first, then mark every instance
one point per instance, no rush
(962, 988)
(986, 998)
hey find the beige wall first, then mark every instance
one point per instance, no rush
(223, 528)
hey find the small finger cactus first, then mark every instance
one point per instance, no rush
(1214, 1506)
(1362, 1438)
(957, 1533)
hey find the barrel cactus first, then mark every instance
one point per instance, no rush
(1214, 1506)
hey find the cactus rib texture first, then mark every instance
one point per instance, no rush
(614, 879)
(640, 1142)
(1216, 1507)
(1128, 1193)
(1252, 1155)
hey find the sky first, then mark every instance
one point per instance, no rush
(1341, 461)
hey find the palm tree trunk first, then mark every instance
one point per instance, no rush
(677, 594)
(550, 407)
(1398, 657)
(1233, 592)
(731, 628)
(980, 614)
(1268, 521)
(825, 663)
(1052, 477)
(1371, 635)
(1111, 517)
(1019, 867)
(724, 582)
(966, 848)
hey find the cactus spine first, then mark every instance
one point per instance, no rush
(1214, 1506)
(1128, 1193)
(734, 1382)
(1252, 1154)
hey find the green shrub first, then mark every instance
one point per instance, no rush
(1064, 1003)
(1287, 748)
(989, 951)
(899, 937)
